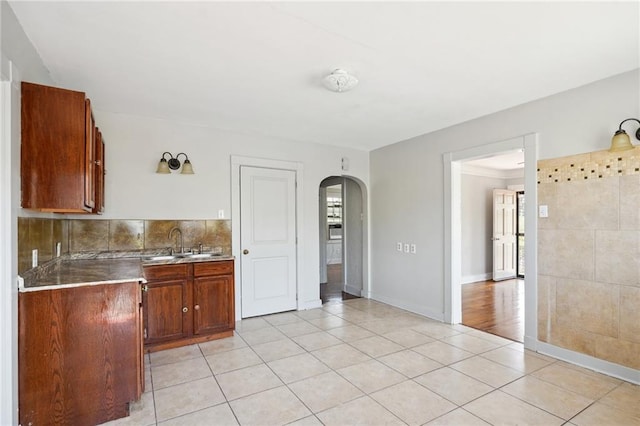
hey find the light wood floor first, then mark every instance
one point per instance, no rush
(495, 307)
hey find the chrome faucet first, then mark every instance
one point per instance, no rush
(181, 240)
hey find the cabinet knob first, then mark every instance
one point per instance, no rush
(197, 307)
(185, 309)
(145, 288)
(245, 251)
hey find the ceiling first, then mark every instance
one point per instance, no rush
(257, 67)
(503, 162)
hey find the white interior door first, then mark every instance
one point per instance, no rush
(504, 234)
(268, 240)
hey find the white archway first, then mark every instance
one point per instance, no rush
(356, 243)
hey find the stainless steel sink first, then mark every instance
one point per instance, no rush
(161, 257)
(198, 255)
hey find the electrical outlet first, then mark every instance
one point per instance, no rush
(399, 246)
(406, 248)
(220, 214)
(413, 249)
(34, 258)
(58, 249)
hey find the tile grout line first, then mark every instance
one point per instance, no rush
(349, 342)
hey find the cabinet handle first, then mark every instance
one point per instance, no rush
(185, 309)
(197, 307)
(145, 288)
(98, 162)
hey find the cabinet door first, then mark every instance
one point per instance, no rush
(78, 354)
(90, 157)
(99, 174)
(164, 318)
(54, 155)
(213, 300)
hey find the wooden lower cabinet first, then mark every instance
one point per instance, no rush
(188, 303)
(163, 303)
(213, 297)
(80, 354)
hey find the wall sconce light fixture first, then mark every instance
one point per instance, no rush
(620, 140)
(165, 166)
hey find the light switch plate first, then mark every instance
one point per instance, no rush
(543, 211)
(220, 214)
(34, 258)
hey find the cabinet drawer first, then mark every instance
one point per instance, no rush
(222, 267)
(161, 272)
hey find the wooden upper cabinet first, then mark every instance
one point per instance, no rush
(89, 157)
(59, 151)
(99, 174)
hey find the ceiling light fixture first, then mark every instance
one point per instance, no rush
(340, 81)
(620, 140)
(165, 166)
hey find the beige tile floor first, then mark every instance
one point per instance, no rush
(367, 363)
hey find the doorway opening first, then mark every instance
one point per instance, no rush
(492, 297)
(341, 238)
(453, 163)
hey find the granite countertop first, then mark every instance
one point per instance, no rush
(96, 269)
(83, 272)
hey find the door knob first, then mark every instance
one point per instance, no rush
(245, 251)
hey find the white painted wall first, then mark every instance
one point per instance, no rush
(407, 180)
(133, 190)
(477, 226)
(134, 146)
(18, 60)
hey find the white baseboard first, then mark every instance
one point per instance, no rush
(312, 304)
(599, 365)
(416, 309)
(468, 279)
(353, 290)
(531, 343)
